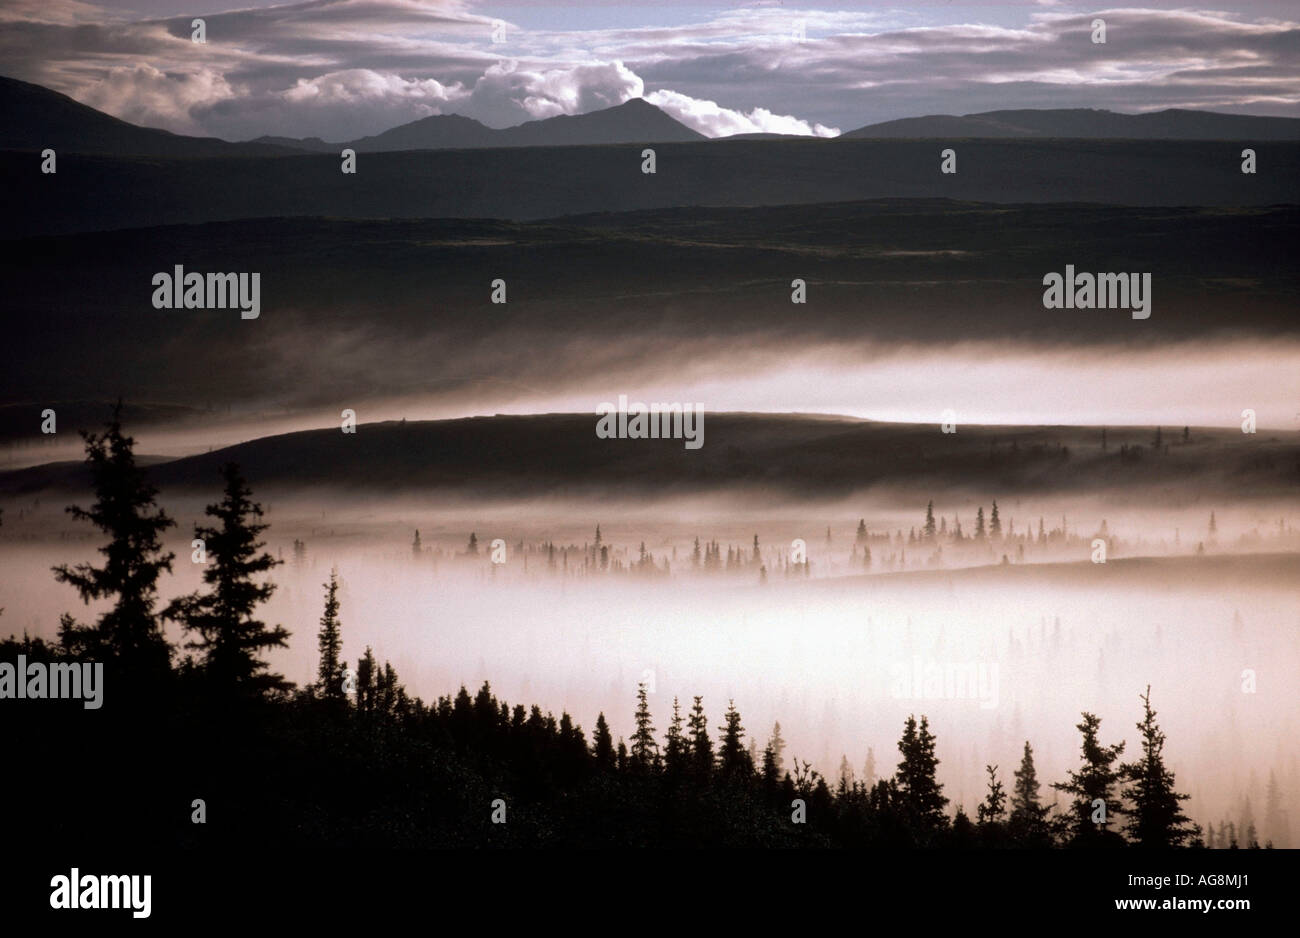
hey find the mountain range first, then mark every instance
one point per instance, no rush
(33, 117)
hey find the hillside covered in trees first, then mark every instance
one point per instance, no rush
(203, 745)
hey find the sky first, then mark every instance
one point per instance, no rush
(340, 69)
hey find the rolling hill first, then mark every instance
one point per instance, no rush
(1086, 124)
(786, 455)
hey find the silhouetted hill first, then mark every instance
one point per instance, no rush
(634, 121)
(97, 193)
(795, 456)
(33, 118)
(1088, 123)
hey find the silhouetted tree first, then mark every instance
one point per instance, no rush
(602, 744)
(994, 806)
(645, 751)
(918, 787)
(366, 685)
(1156, 818)
(1093, 788)
(777, 745)
(329, 641)
(732, 758)
(701, 745)
(229, 638)
(130, 632)
(1027, 823)
(676, 746)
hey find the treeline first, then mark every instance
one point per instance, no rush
(205, 745)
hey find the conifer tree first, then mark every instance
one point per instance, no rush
(733, 760)
(995, 522)
(602, 745)
(1028, 819)
(231, 641)
(994, 806)
(130, 632)
(929, 522)
(329, 641)
(777, 745)
(1096, 781)
(770, 774)
(918, 787)
(1156, 818)
(676, 746)
(701, 746)
(366, 682)
(979, 523)
(645, 751)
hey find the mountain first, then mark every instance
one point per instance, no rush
(634, 121)
(1084, 123)
(442, 131)
(33, 118)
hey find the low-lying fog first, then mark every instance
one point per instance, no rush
(840, 659)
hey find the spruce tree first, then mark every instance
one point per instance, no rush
(1096, 781)
(995, 522)
(367, 687)
(701, 745)
(994, 806)
(733, 760)
(602, 744)
(329, 640)
(229, 638)
(777, 745)
(1156, 818)
(645, 751)
(929, 522)
(129, 633)
(1028, 820)
(918, 787)
(676, 746)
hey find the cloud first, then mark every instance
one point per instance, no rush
(345, 68)
(145, 95)
(509, 93)
(713, 120)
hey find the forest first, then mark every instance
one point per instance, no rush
(200, 744)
